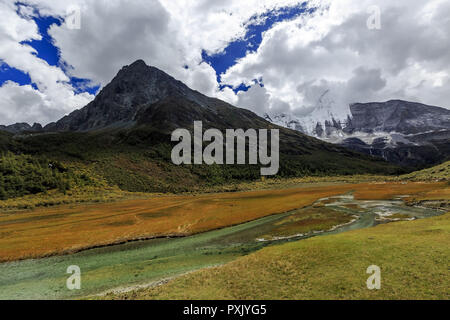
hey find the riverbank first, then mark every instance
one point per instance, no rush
(137, 263)
(69, 229)
(412, 256)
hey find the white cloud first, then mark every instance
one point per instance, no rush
(54, 97)
(298, 60)
(25, 104)
(256, 99)
(201, 77)
(166, 34)
(334, 50)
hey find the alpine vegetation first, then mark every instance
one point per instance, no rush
(235, 147)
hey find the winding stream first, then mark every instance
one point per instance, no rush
(143, 262)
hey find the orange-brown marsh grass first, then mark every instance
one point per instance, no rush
(70, 228)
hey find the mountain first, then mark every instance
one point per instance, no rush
(405, 133)
(402, 132)
(325, 120)
(124, 137)
(21, 127)
(141, 94)
(407, 118)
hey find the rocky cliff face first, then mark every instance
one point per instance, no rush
(134, 88)
(402, 132)
(21, 127)
(397, 116)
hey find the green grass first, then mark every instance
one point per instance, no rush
(144, 262)
(129, 264)
(22, 175)
(440, 172)
(413, 257)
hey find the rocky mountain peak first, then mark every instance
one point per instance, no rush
(135, 87)
(21, 127)
(407, 133)
(397, 116)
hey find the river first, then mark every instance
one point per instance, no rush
(141, 263)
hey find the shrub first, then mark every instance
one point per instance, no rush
(24, 174)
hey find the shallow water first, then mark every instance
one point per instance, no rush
(141, 262)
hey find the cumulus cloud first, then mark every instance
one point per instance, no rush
(114, 34)
(54, 95)
(334, 50)
(166, 34)
(331, 50)
(25, 104)
(256, 99)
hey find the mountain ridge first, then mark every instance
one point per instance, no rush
(142, 95)
(398, 116)
(124, 137)
(399, 131)
(119, 101)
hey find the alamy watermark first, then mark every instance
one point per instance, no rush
(374, 20)
(235, 142)
(374, 281)
(73, 17)
(74, 281)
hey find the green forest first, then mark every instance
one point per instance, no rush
(23, 175)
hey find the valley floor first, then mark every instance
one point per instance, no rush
(192, 232)
(413, 257)
(71, 228)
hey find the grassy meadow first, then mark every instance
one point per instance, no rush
(124, 239)
(413, 257)
(95, 189)
(70, 228)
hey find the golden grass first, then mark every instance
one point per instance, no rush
(70, 228)
(308, 220)
(388, 190)
(52, 198)
(413, 257)
(103, 192)
(439, 194)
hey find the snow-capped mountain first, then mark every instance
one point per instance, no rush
(403, 132)
(324, 122)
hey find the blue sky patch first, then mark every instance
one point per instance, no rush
(83, 85)
(7, 73)
(239, 48)
(44, 47)
(45, 50)
(220, 62)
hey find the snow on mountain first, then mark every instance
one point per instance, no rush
(403, 132)
(324, 122)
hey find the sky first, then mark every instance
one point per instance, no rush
(270, 56)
